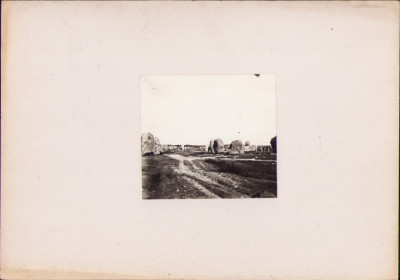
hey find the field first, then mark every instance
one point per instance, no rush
(205, 175)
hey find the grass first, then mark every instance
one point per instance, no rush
(160, 181)
(222, 175)
(245, 155)
(250, 169)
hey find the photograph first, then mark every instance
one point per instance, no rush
(208, 136)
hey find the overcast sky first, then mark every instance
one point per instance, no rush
(193, 109)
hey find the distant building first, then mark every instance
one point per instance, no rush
(195, 148)
(171, 148)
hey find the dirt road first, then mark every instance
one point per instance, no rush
(213, 185)
(192, 176)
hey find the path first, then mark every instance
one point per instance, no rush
(205, 181)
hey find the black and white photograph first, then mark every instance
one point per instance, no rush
(208, 136)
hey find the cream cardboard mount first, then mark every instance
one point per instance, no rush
(71, 184)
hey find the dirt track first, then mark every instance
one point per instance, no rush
(204, 181)
(183, 170)
(184, 175)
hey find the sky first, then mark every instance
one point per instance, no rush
(196, 108)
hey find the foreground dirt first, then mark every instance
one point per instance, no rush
(208, 176)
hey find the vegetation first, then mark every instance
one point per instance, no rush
(250, 169)
(205, 175)
(160, 181)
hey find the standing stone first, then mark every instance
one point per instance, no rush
(236, 146)
(148, 144)
(211, 146)
(218, 146)
(273, 144)
(157, 146)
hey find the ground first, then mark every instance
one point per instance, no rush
(204, 175)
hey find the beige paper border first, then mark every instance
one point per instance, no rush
(70, 140)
